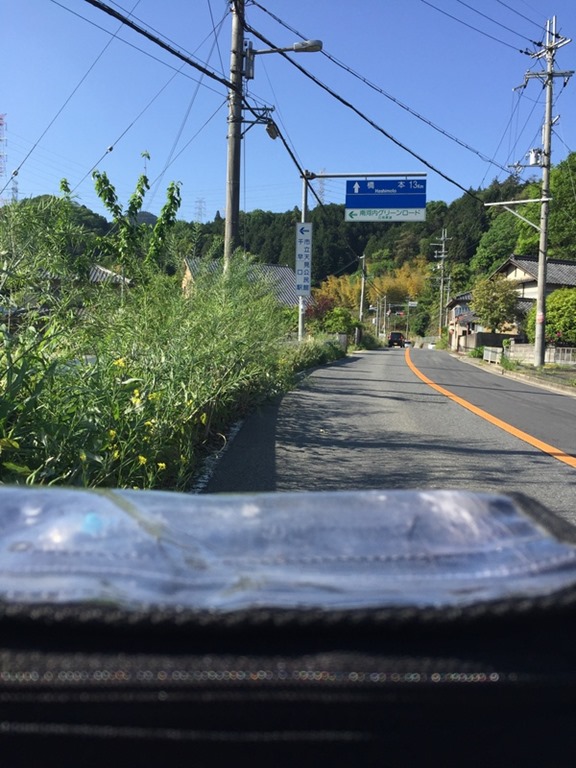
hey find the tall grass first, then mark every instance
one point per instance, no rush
(133, 391)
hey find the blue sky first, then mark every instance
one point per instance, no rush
(434, 75)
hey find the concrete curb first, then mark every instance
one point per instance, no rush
(517, 376)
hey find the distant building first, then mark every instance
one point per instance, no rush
(523, 271)
(560, 273)
(102, 275)
(282, 279)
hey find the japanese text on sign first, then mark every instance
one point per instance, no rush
(303, 258)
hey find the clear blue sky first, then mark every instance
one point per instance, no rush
(74, 82)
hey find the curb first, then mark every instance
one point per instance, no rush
(517, 376)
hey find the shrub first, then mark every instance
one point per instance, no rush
(135, 395)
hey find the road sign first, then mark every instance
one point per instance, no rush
(386, 200)
(303, 258)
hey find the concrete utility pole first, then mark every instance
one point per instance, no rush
(542, 158)
(553, 42)
(442, 256)
(362, 291)
(234, 132)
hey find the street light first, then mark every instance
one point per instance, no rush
(305, 46)
(242, 67)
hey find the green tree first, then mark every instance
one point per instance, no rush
(44, 251)
(560, 318)
(494, 301)
(134, 247)
(496, 244)
(562, 225)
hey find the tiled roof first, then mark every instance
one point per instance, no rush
(282, 279)
(524, 305)
(460, 298)
(100, 274)
(558, 271)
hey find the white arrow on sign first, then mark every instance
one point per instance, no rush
(356, 188)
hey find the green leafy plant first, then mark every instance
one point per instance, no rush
(560, 318)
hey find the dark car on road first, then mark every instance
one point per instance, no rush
(396, 339)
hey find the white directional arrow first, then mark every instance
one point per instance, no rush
(356, 188)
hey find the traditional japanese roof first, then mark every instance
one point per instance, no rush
(281, 278)
(460, 298)
(100, 274)
(560, 272)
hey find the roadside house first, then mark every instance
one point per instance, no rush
(464, 327)
(281, 279)
(462, 322)
(560, 273)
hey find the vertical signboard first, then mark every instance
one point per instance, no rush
(303, 258)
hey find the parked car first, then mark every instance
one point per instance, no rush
(396, 339)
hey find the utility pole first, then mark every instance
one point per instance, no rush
(542, 158)
(234, 132)
(362, 290)
(553, 42)
(442, 256)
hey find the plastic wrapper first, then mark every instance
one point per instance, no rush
(140, 550)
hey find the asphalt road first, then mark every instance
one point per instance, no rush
(370, 422)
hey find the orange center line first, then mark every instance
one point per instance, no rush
(556, 453)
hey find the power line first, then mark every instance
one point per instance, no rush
(157, 41)
(186, 59)
(63, 107)
(360, 114)
(131, 45)
(530, 21)
(390, 97)
(503, 26)
(189, 109)
(470, 26)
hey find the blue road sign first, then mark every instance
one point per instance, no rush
(386, 193)
(401, 199)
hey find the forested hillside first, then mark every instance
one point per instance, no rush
(480, 237)
(400, 258)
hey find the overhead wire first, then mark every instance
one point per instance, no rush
(521, 15)
(387, 95)
(111, 147)
(161, 43)
(498, 23)
(114, 35)
(470, 26)
(155, 39)
(360, 114)
(216, 29)
(65, 104)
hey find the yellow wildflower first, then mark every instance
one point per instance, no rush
(142, 459)
(161, 465)
(111, 434)
(120, 363)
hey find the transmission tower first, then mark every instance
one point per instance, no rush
(200, 209)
